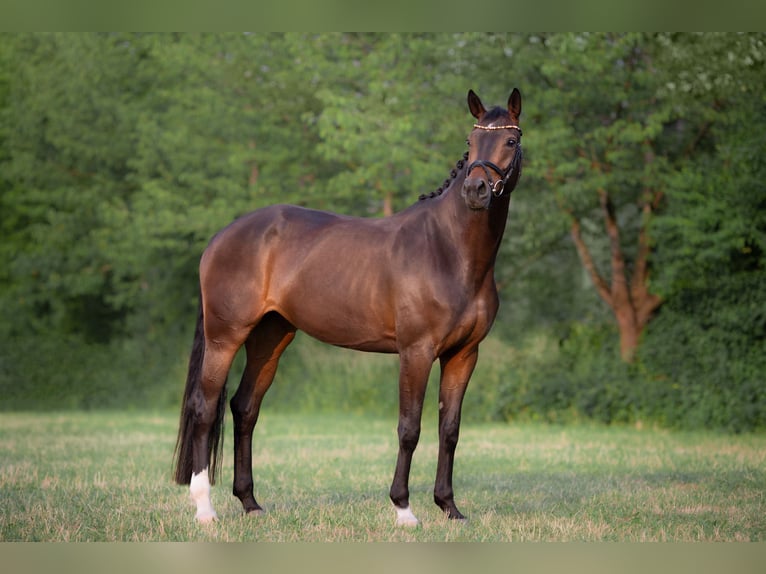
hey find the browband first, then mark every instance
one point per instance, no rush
(508, 127)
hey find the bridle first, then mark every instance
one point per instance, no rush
(505, 174)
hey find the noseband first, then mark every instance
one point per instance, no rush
(499, 186)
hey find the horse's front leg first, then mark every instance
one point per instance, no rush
(413, 378)
(456, 370)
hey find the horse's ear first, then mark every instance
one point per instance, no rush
(514, 103)
(475, 105)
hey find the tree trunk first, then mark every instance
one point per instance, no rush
(630, 331)
(254, 172)
(388, 204)
(630, 301)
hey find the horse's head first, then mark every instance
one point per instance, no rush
(494, 157)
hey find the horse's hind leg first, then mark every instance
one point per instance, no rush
(264, 346)
(207, 402)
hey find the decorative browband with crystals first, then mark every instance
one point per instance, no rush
(508, 127)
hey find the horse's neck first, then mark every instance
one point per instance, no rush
(476, 235)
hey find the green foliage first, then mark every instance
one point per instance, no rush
(122, 154)
(387, 139)
(706, 349)
(573, 379)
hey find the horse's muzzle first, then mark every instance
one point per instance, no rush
(476, 193)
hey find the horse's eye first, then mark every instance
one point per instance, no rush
(468, 143)
(511, 142)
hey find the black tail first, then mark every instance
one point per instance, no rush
(184, 444)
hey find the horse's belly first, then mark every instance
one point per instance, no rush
(360, 339)
(341, 324)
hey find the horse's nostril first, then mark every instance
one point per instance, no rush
(476, 186)
(476, 192)
(480, 189)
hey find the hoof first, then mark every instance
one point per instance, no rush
(255, 512)
(450, 510)
(207, 517)
(405, 517)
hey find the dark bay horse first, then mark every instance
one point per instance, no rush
(419, 283)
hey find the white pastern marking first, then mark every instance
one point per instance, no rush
(199, 488)
(404, 517)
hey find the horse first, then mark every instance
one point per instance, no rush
(419, 283)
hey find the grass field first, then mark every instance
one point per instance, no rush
(106, 476)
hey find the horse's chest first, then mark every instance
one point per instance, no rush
(471, 321)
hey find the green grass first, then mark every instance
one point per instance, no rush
(106, 476)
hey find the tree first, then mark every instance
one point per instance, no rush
(122, 154)
(610, 141)
(709, 339)
(66, 164)
(382, 119)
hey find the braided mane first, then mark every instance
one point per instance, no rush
(453, 174)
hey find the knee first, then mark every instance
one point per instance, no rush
(450, 433)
